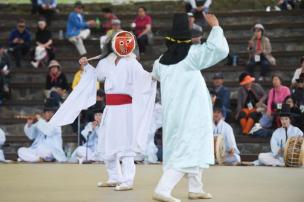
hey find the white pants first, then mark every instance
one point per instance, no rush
(78, 40)
(84, 153)
(269, 160)
(232, 160)
(123, 173)
(35, 155)
(1, 155)
(171, 177)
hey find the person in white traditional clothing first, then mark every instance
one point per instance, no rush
(47, 140)
(130, 96)
(279, 139)
(221, 127)
(188, 134)
(2, 141)
(88, 151)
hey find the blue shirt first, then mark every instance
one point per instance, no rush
(75, 24)
(25, 35)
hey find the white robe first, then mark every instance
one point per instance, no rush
(277, 142)
(2, 141)
(47, 143)
(87, 151)
(156, 123)
(124, 128)
(225, 129)
(187, 108)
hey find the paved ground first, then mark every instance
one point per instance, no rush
(76, 183)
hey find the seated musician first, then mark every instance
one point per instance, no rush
(232, 154)
(279, 139)
(88, 152)
(47, 139)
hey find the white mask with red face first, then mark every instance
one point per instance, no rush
(123, 43)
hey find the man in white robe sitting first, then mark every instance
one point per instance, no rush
(279, 139)
(47, 139)
(88, 152)
(2, 141)
(221, 127)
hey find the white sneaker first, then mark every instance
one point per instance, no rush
(203, 195)
(163, 198)
(35, 64)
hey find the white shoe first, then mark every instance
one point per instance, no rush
(35, 64)
(203, 195)
(123, 187)
(163, 198)
(107, 184)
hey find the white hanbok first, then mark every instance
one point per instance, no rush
(88, 151)
(47, 143)
(225, 129)
(2, 141)
(277, 142)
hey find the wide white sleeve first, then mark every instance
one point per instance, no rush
(30, 131)
(87, 130)
(209, 53)
(82, 97)
(2, 137)
(101, 70)
(275, 142)
(296, 75)
(47, 129)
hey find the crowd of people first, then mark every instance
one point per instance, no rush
(258, 112)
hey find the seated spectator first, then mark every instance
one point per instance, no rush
(276, 97)
(34, 7)
(250, 97)
(298, 72)
(44, 50)
(5, 66)
(279, 139)
(105, 40)
(57, 86)
(222, 92)
(202, 6)
(298, 92)
(77, 78)
(78, 28)
(220, 127)
(259, 48)
(192, 24)
(108, 16)
(142, 25)
(19, 41)
(88, 151)
(2, 141)
(284, 5)
(47, 8)
(298, 119)
(47, 139)
(197, 5)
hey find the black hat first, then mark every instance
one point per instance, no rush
(218, 105)
(285, 111)
(78, 4)
(218, 75)
(180, 27)
(301, 78)
(51, 105)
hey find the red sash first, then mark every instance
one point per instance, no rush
(118, 99)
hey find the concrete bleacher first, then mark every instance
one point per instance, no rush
(285, 30)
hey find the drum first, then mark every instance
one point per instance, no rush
(294, 152)
(219, 149)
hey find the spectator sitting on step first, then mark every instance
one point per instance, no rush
(259, 48)
(2, 141)
(222, 92)
(199, 5)
(47, 139)
(297, 73)
(202, 6)
(298, 119)
(77, 78)
(109, 16)
(19, 41)
(105, 40)
(43, 52)
(298, 92)
(142, 25)
(47, 8)
(220, 127)
(89, 151)
(279, 139)
(276, 97)
(251, 96)
(78, 28)
(5, 66)
(57, 86)
(192, 24)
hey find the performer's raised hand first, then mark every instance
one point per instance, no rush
(211, 19)
(83, 61)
